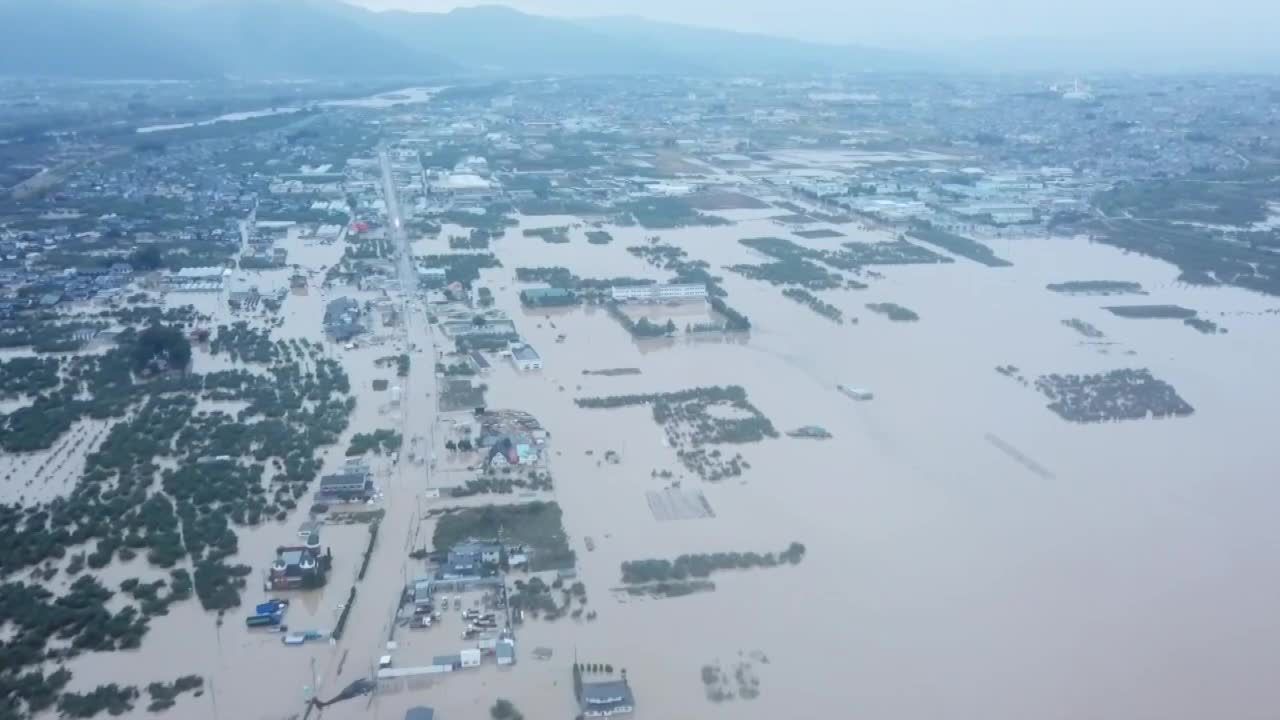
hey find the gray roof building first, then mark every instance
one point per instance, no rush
(602, 699)
(419, 713)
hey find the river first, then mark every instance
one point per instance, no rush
(381, 100)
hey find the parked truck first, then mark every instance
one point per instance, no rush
(264, 620)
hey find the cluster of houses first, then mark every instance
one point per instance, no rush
(46, 289)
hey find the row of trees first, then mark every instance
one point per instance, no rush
(703, 565)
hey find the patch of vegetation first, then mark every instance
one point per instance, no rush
(642, 328)
(28, 375)
(818, 234)
(896, 252)
(814, 303)
(1208, 327)
(1097, 287)
(477, 240)
(1151, 312)
(555, 235)
(720, 685)
(669, 212)
(562, 277)
(599, 237)
(504, 710)
(957, 244)
(893, 311)
(697, 417)
(1126, 394)
(724, 200)
(536, 525)
(669, 588)
(379, 441)
(368, 550)
(461, 395)
(165, 695)
(702, 565)
(160, 348)
(462, 267)
(613, 372)
(111, 699)
(502, 482)
(1084, 328)
(792, 271)
(341, 625)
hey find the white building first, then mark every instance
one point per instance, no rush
(659, 293)
(526, 358)
(470, 657)
(197, 279)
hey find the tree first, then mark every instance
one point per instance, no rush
(608, 669)
(451, 446)
(479, 321)
(504, 710)
(464, 445)
(161, 348)
(146, 258)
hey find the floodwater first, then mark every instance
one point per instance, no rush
(943, 578)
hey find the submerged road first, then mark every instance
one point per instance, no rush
(372, 619)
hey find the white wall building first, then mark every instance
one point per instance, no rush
(659, 293)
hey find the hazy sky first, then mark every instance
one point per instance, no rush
(929, 23)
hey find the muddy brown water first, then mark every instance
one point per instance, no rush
(942, 577)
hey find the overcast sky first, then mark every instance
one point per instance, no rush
(930, 23)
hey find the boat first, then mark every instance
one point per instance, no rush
(856, 393)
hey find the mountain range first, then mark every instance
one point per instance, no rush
(278, 39)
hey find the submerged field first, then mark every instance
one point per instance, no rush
(941, 524)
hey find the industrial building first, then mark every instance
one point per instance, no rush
(659, 293)
(351, 484)
(548, 297)
(606, 699)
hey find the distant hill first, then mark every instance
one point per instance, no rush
(733, 52)
(149, 39)
(325, 38)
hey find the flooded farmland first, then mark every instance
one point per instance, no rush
(937, 559)
(450, 400)
(957, 531)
